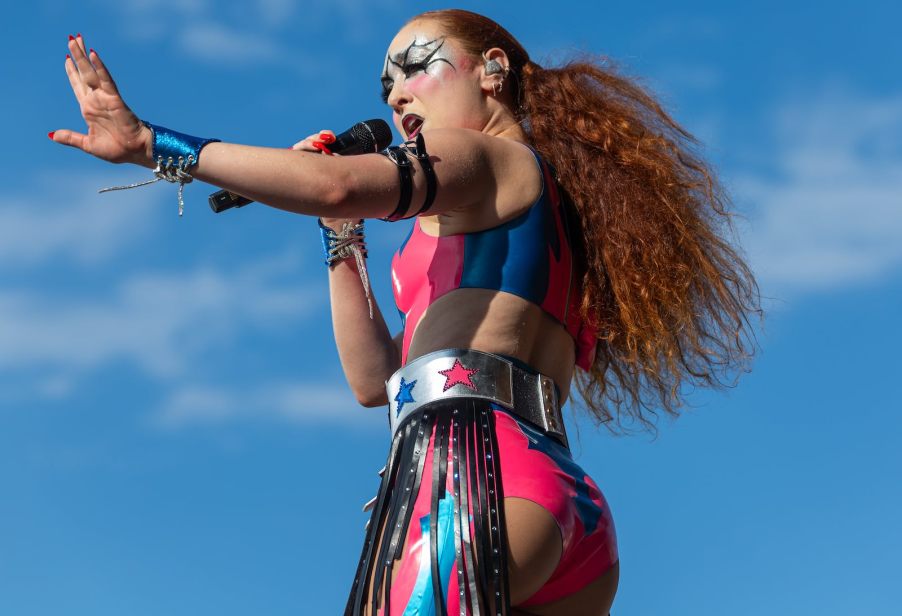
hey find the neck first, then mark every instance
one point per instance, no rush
(502, 123)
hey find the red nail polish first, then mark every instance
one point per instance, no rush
(71, 38)
(92, 51)
(327, 138)
(50, 134)
(322, 148)
(67, 57)
(78, 35)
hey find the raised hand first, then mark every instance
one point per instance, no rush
(114, 132)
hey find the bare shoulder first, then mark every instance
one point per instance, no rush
(493, 179)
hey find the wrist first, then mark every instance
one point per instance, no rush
(143, 147)
(172, 156)
(345, 244)
(336, 224)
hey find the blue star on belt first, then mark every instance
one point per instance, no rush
(404, 395)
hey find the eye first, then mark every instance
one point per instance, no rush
(386, 89)
(414, 68)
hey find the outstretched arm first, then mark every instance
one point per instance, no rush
(336, 187)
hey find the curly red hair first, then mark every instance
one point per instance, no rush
(668, 294)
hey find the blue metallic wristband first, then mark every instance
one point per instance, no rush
(174, 153)
(171, 147)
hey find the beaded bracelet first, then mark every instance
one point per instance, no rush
(347, 243)
(174, 154)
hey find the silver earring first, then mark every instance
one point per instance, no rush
(493, 67)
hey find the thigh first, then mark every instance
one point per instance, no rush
(562, 538)
(592, 600)
(456, 541)
(535, 546)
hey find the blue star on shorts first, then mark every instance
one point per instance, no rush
(589, 512)
(404, 395)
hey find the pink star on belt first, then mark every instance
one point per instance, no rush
(457, 374)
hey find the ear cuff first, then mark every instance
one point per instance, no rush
(494, 67)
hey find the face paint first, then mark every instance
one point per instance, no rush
(417, 57)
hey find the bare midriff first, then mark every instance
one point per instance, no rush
(501, 323)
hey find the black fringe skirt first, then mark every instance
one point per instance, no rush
(460, 432)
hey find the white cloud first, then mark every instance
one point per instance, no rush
(220, 44)
(243, 34)
(293, 403)
(832, 215)
(159, 321)
(73, 222)
(275, 13)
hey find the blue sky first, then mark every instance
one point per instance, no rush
(175, 437)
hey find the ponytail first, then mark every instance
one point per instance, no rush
(668, 296)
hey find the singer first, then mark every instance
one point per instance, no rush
(564, 231)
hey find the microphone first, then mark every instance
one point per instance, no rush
(363, 138)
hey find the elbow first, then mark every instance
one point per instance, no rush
(370, 397)
(336, 195)
(334, 199)
(371, 401)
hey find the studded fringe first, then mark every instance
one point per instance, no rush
(465, 437)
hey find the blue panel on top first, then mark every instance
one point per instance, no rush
(513, 257)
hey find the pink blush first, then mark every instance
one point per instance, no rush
(465, 63)
(424, 82)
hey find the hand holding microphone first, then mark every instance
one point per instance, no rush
(366, 137)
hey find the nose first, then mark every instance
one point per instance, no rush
(398, 96)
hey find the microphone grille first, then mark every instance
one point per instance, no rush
(373, 135)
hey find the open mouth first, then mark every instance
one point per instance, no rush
(412, 124)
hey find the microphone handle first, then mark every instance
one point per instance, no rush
(223, 200)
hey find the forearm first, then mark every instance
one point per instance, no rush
(303, 182)
(366, 349)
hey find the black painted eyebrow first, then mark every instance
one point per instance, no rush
(401, 58)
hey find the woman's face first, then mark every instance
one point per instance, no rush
(430, 82)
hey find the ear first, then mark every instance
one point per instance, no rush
(495, 68)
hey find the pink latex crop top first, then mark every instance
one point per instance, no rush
(529, 256)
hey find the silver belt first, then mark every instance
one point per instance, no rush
(466, 373)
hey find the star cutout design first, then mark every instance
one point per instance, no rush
(404, 395)
(457, 374)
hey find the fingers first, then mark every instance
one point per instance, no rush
(86, 71)
(74, 80)
(70, 138)
(103, 74)
(325, 139)
(316, 143)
